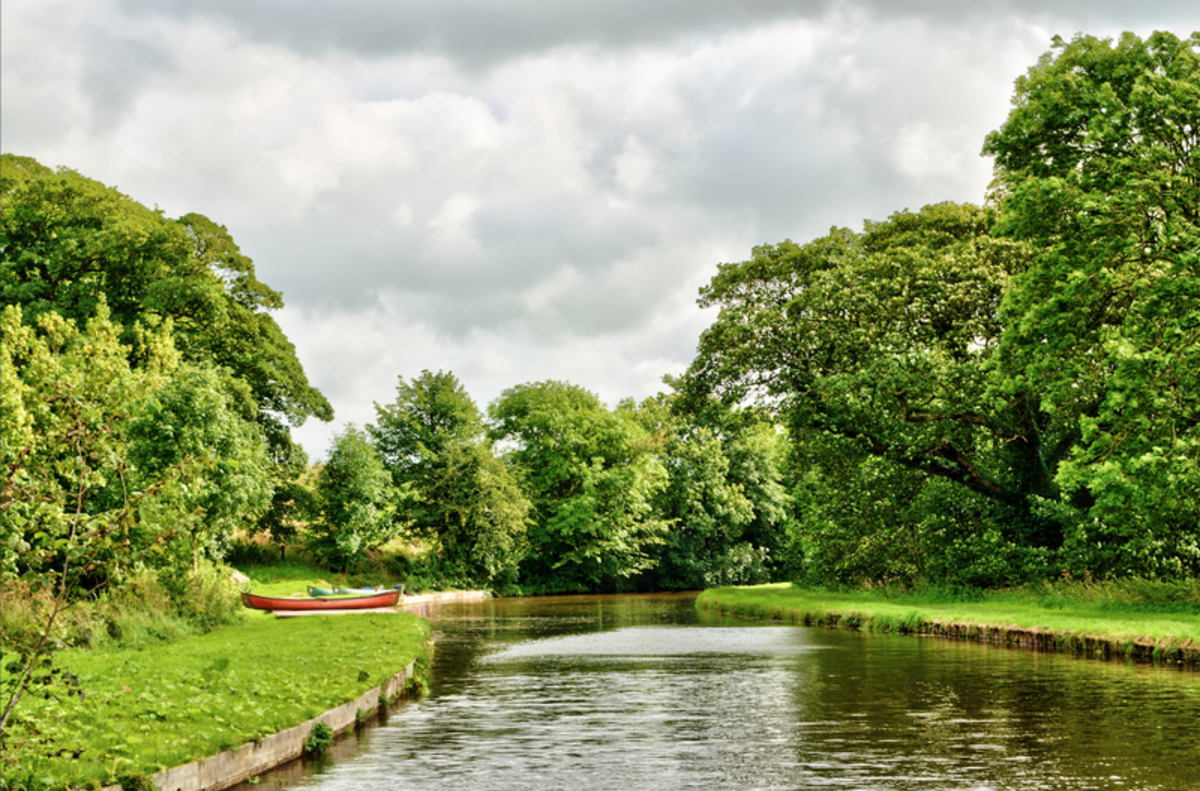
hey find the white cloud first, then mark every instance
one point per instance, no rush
(509, 200)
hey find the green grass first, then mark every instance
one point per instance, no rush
(142, 711)
(1072, 613)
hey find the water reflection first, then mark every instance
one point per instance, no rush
(642, 692)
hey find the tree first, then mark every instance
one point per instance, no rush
(191, 425)
(464, 499)
(724, 496)
(358, 500)
(70, 242)
(592, 475)
(1034, 364)
(1098, 171)
(879, 344)
(72, 518)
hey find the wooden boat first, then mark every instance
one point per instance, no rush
(381, 599)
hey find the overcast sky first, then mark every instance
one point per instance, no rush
(528, 190)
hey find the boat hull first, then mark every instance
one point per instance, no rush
(384, 599)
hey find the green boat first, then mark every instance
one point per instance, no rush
(340, 591)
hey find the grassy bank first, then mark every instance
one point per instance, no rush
(129, 712)
(1143, 621)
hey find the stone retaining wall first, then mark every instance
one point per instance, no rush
(444, 597)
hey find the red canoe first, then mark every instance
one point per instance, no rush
(384, 599)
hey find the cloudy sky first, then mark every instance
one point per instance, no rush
(520, 191)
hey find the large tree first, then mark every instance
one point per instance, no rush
(460, 496)
(879, 344)
(1040, 357)
(1098, 171)
(70, 242)
(592, 475)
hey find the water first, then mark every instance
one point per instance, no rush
(642, 692)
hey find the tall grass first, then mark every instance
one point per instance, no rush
(144, 608)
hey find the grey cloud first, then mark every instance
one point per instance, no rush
(480, 33)
(472, 31)
(526, 244)
(118, 67)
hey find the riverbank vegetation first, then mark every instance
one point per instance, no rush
(970, 396)
(1139, 619)
(128, 713)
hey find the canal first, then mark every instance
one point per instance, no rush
(644, 692)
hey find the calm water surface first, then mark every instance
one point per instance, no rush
(642, 692)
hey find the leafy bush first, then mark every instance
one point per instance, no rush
(319, 739)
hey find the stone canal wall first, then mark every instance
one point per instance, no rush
(444, 597)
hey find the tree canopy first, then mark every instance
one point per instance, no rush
(464, 499)
(592, 475)
(1038, 356)
(71, 243)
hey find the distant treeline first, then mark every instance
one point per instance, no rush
(959, 395)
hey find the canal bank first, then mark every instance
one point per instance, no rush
(124, 715)
(1148, 637)
(232, 767)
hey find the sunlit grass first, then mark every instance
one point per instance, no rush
(1071, 611)
(144, 711)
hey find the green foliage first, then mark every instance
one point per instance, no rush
(358, 500)
(1098, 169)
(724, 495)
(68, 394)
(72, 245)
(430, 413)
(318, 740)
(592, 475)
(191, 424)
(149, 710)
(982, 396)
(294, 504)
(464, 499)
(875, 349)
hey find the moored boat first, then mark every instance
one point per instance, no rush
(340, 591)
(381, 599)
